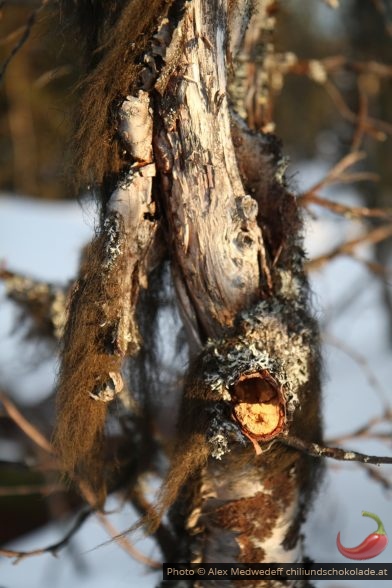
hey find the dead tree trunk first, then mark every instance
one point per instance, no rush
(184, 181)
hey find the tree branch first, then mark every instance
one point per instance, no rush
(371, 237)
(32, 432)
(317, 450)
(23, 39)
(55, 547)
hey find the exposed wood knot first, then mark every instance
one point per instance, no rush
(258, 406)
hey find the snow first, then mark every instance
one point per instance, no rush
(44, 240)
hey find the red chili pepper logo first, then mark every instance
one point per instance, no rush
(370, 547)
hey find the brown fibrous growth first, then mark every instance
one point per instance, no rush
(88, 360)
(259, 405)
(116, 36)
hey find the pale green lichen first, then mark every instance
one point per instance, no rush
(58, 312)
(290, 285)
(275, 335)
(219, 445)
(112, 230)
(50, 299)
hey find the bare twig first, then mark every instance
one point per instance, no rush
(376, 268)
(30, 430)
(35, 435)
(362, 362)
(364, 431)
(53, 549)
(377, 476)
(337, 63)
(43, 489)
(372, 237)
(23, 39)
(163, 535)
(317, 450)
(336, 174)
(372, 471)
(374, 127)
(126, 544)
(381, 70)
(343, 209)
(123, 541)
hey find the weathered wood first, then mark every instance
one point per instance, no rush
(218, 244)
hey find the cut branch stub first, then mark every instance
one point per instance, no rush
(259, 406)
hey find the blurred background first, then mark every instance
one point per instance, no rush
(332, 101)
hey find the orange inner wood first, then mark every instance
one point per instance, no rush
(258, 406)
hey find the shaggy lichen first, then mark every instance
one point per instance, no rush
(275, 336)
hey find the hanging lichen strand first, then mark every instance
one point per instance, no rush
(114, 150)
(101, 328)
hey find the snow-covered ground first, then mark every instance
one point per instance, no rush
(43, 240)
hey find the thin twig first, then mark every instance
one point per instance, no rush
(23, 39)
(376, 128)
(30, 430)
(123, 541)
(339, 62)
(126, 544)
(361, 360)
(364, 431)
(53, 549)
(35, 435)
(343, 209)
(372, 471)
(43, 489)
(377, 476)
(334, 175)
(317, 450)
(163, 535)
(376, 268)
(372, 237)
